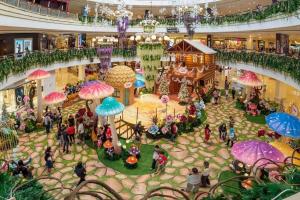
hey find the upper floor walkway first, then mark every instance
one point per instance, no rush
(20, 15)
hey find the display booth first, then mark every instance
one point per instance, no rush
(193, 61)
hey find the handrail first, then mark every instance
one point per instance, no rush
(38, 9)
(277, 62)
(282, 8)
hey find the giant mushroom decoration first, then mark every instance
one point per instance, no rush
(249, 78)
(122, 78)
(111, 107)
(249, 152)
(37, 76)
(284, 124)
(95, 90)
(54, 98)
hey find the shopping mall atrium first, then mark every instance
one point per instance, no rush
(150, 99)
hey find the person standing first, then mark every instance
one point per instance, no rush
(59, 118)
(231, 137)
(80, 171)
(233, 91)
(205, 175)
(80, 130)
(66, 140)
(207, 133)
(47, 123)
(155, 156)
(49, 159)
(226, 85)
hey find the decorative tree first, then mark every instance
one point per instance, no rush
(183, 93)
(164, 86)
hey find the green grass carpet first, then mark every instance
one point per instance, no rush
(144, 163)
(231, 187)
(258, 119)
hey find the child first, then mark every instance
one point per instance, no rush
(207, 133)
(231, 136)
(205, 175)
(162, 161)
(222, 131)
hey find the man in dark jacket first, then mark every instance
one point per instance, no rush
(80, 171)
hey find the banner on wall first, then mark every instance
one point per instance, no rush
(19, 92)
(23, 45)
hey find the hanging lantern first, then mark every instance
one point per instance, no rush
(153, 37)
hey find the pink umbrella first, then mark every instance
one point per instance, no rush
(37, 76)
(249, 78)
(54, 97)
(249, 152)
(96, 91)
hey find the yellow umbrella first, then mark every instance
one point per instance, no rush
(286, 150)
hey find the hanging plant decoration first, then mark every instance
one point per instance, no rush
(122, 25)
(104, 53)
(150, 55)
(189, 21)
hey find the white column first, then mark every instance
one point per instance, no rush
(49, 84)
(277, 91)
(96, 13)
(81, 72)
(249, 43)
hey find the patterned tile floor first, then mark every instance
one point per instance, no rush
(188, 151)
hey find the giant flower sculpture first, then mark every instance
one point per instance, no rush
(37, 76)
(111, 107)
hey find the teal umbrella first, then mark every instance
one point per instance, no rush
(111, 107)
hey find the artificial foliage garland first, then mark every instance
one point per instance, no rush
(10, 66)
(286, 7)
(288, 65)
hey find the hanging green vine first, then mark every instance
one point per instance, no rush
(11, 66)
(283, 64)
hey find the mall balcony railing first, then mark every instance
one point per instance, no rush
(276, 10)
(38, 9)
(289, 66)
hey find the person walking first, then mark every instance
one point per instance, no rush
(233, 91)
(231, 137)
(222, 131)
(66, 140)
(207, 133)
(59, 118)
(49, 159)
(71, 133)
(47, 123)
(80, 171)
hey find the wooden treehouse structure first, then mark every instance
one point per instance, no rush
(193, 61)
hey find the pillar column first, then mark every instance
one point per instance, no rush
(49, 84)
(249, 44)
(81, 72)
(96, 13)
